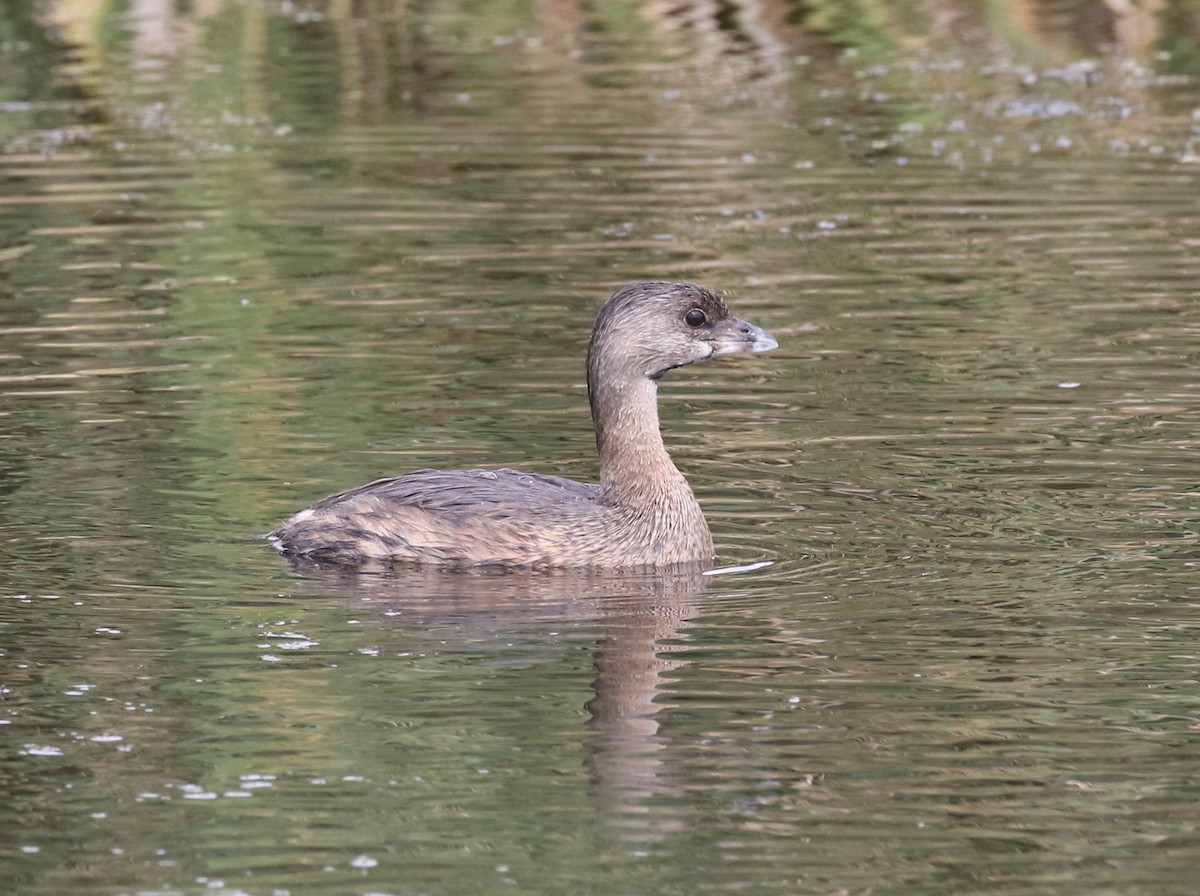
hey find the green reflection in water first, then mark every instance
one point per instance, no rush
(277, 254)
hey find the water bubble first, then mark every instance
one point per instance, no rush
(39, 750)
(196, 792)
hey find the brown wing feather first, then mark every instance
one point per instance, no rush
(453, 517)
(455, 490)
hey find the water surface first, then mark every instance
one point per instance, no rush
(252, 254)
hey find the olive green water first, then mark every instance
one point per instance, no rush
(252, 253)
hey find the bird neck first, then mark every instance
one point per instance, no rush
(635, 468)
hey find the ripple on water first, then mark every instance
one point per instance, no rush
(249, 272)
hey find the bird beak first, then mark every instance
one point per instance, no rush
(735, 335)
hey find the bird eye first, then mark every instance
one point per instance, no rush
(696, 318)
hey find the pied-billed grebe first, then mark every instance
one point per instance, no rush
(641, 514)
